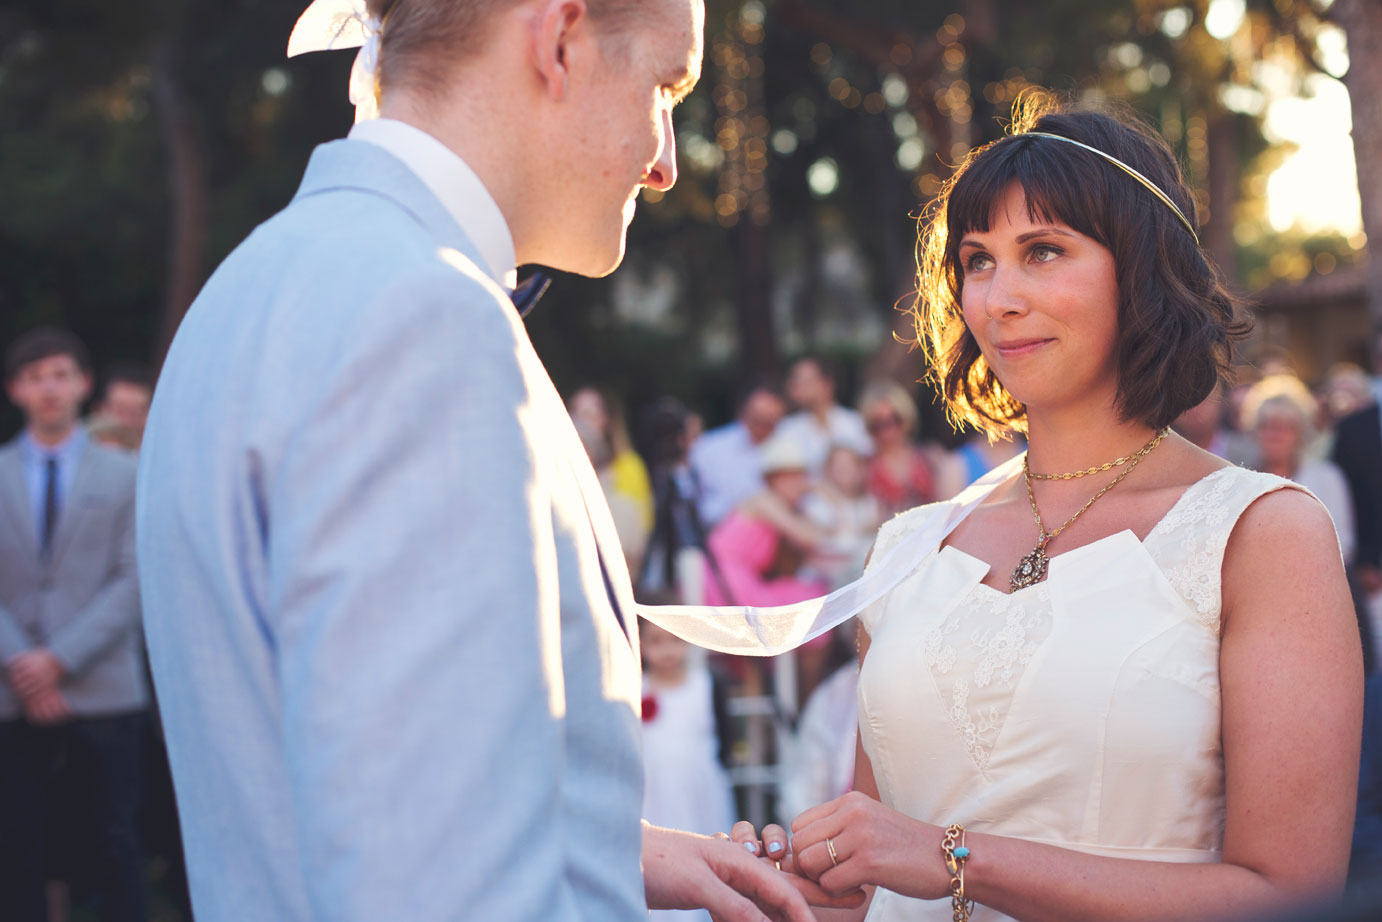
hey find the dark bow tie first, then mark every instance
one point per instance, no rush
(526, 295)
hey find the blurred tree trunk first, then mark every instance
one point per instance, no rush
(1362, 21)
(1225, 164)
(758, 355)
(187, 187)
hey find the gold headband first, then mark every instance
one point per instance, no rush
(1151, 186)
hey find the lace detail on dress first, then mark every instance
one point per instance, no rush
(1189, 544)
(977, 656)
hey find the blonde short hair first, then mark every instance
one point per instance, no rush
(895, 396)
(1280, 395)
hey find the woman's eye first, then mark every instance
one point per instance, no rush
(977, 262)
(1045, 253)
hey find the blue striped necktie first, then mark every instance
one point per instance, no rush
(526, 295)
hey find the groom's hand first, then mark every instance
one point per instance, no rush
(772, 846)
(686, 871)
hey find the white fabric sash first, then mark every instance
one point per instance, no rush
(751, 631)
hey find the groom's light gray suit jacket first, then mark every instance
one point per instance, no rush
(393, 683)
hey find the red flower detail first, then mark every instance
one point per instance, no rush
(649, 708)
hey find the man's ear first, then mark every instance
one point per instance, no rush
(556, 21)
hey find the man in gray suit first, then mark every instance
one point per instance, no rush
(388, 616)
(72, 688)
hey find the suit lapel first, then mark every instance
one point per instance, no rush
(573, 456)
(14, 496)
(616, 569)
(67, 512)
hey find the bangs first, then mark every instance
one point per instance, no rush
(1060, 186)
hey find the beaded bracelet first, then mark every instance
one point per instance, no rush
(955, 851)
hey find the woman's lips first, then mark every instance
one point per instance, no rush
(1019, 347)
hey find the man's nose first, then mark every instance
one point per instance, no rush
(663, 175)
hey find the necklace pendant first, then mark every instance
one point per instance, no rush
(1030, 569)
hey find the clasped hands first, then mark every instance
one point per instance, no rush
(873, 845)
(34, 675)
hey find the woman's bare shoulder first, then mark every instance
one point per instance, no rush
(1283, 560)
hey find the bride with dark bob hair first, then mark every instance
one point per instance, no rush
(1128, 684)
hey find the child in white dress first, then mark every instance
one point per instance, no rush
(685, 786)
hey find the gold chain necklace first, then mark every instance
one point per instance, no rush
(1106, 466)
(1031, 569)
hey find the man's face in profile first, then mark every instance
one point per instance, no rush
(644, 68)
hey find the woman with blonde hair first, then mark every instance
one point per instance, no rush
(1127, 686)
(900, 474)
(1280, 411)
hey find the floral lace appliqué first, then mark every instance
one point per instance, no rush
(977, 656)
(1189, 543)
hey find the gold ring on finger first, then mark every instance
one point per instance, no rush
(830, 847)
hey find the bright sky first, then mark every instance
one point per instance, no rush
(1317, 185)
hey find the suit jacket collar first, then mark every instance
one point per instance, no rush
(365, 167)
(451, 180)
(14, 495)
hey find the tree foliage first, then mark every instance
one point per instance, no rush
(139, 142)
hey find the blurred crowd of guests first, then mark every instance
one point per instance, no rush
(781, 503)
(777, 505)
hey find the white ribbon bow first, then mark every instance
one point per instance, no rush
(327, 25)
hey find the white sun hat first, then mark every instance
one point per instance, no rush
(782, 453)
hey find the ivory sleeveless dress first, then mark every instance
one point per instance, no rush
(1082, 712)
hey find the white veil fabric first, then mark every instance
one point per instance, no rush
(747, 630)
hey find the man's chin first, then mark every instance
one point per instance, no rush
(597, 264)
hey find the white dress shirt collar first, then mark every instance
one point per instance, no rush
(455, 185)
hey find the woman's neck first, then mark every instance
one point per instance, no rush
(1059, 443)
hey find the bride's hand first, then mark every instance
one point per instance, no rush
(872, 844)
(772, 847)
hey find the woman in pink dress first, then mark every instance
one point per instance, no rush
(757, 549)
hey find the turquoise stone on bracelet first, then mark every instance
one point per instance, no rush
(961, 853)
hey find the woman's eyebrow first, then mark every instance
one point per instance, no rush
(1043, 231)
